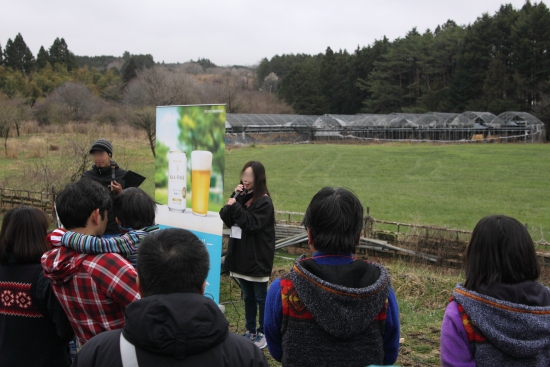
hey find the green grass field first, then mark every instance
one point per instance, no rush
(444, 185)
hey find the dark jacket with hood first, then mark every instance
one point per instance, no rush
(333, 315)
(103, 175)
(253, 253)
(179, 329)
(501, 325)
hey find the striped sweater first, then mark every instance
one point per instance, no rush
(125, 245)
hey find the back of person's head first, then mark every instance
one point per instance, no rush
(78, 200)
(23, 235)
(172, 261)
(134, 208)
(334, 218)
(500, 251)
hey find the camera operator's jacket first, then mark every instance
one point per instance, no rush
(253, 254)
(332, 311)
(177, 329)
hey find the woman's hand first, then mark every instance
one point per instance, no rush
(231, 201)
(239, 188)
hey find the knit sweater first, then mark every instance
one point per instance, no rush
(482, 330)
(332, 310)
(34, 330)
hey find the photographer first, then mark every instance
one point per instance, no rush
(108, 174)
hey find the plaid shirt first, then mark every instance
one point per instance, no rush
(94, 290)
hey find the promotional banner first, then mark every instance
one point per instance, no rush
(189, 173)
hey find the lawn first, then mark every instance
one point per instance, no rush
(444, 185)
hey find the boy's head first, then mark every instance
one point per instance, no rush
(334, 220)
(134, 209)
(172, 261)
(84, 204)
(102, 152)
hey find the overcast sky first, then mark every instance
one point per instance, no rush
(236, 32)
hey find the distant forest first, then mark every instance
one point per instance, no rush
(500, 62)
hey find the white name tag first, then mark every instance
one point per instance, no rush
(236, 232)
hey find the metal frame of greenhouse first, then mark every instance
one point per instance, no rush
(469, 126)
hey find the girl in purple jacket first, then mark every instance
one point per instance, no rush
(500, 316)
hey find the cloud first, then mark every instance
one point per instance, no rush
(238, 32)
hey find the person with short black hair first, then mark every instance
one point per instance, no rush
(94, 290)
(31, 318)
(173, 324)
(102, 172)
(134, 212)
(333, 310)
(500, 316)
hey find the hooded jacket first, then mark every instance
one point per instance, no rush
(103, 175)
(179, 329)
(342, 307)
(502, 325)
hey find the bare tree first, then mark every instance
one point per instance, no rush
(9, 114)
(145, 119)
(159, 86)
(74, 102)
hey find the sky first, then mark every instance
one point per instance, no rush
(236, 32)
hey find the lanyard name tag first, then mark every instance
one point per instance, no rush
(236, 232)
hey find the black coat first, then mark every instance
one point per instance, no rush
(103, 175)
(253, 254)
(179, 329)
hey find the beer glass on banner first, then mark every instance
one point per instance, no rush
(201, 168)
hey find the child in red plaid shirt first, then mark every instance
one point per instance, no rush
(93, 290)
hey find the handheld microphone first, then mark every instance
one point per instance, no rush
(113, 174)
(237, 194)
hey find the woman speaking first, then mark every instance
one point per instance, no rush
(250, 215)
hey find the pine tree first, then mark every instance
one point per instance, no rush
(1, 56)
(60, 54)
(129, 72)
(18, 56)
(42, 58)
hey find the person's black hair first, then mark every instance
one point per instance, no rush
(23, 235)
(78, 200)
(260, 181)
(134, 208)
(335, 219)
(172, 260)
(500, 251)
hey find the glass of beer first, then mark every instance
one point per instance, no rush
(201, 167)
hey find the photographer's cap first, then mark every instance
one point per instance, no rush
(102, 145)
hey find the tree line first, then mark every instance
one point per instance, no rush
(498, 63)
(57, 87)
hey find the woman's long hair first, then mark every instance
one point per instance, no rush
(500, 251)
(260, 182)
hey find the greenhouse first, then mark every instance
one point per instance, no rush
(470, 126)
